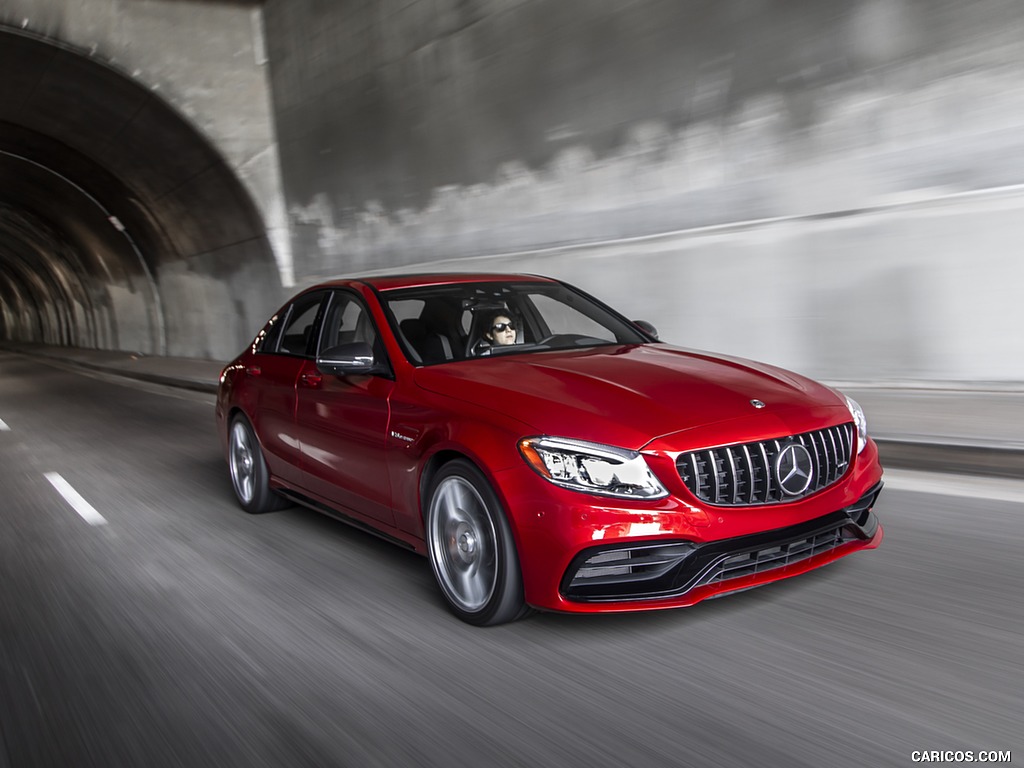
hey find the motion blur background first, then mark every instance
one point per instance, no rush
(832, 187)
(836, 187)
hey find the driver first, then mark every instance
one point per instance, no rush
(500, 331)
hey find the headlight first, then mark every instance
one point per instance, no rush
(591, 467)
(860, 420)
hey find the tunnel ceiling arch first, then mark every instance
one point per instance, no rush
(120, 226)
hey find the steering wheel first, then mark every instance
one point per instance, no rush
(479, 348)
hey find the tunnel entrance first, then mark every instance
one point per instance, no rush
(121, 227)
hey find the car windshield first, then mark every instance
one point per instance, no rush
(443, 323)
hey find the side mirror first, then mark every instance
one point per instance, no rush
(353, 359)
(647, 328)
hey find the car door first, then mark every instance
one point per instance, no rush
(273, 373)
(342, 421)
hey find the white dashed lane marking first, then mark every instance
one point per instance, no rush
(4, 427)
(74, 498)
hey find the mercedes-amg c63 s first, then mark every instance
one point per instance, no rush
(542, 450)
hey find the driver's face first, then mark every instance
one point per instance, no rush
(502, 331)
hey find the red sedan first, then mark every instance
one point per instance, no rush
(542, 450)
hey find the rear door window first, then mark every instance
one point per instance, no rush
(298, 333)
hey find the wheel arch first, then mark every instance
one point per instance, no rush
(436, 461)
(229, 419)
(430, 469)
(511, 603)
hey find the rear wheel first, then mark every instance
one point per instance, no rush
(471, 548)
(249, 474)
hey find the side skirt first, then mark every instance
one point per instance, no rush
(355, 522)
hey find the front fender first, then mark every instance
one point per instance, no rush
(427, 429)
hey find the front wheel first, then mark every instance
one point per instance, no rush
(471, 548)
(249, 474)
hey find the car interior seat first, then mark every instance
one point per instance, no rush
(433, 336)
(443, 336)
(415, 332)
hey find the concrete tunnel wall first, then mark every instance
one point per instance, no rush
(832, 187)
(140, 207)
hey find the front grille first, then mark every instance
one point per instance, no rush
(771, 557)
(758, 473)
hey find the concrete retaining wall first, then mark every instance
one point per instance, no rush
(881, 139)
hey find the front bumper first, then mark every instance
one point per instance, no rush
(667, 570)
(679, 550)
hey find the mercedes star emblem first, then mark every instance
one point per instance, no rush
(794, 469)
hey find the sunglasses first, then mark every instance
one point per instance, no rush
(499, 327)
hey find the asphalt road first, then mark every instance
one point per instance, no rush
(172, 629)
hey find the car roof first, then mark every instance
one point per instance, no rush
(392, 282)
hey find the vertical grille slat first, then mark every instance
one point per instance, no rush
(767, 473)
(752, 493)
(698, 480)
(823, 467)
(734, 476)
(845, 437)
(812, 449)
(835, 453)
(745, 474)
(713, 470)
(775, 454)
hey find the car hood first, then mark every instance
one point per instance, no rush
(629, 395)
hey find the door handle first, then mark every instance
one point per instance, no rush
(253, 370)
(311, 380)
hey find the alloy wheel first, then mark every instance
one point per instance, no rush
(463, 544)
(243, 469)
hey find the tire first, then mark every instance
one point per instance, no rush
(471, 549)
(249, 474)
